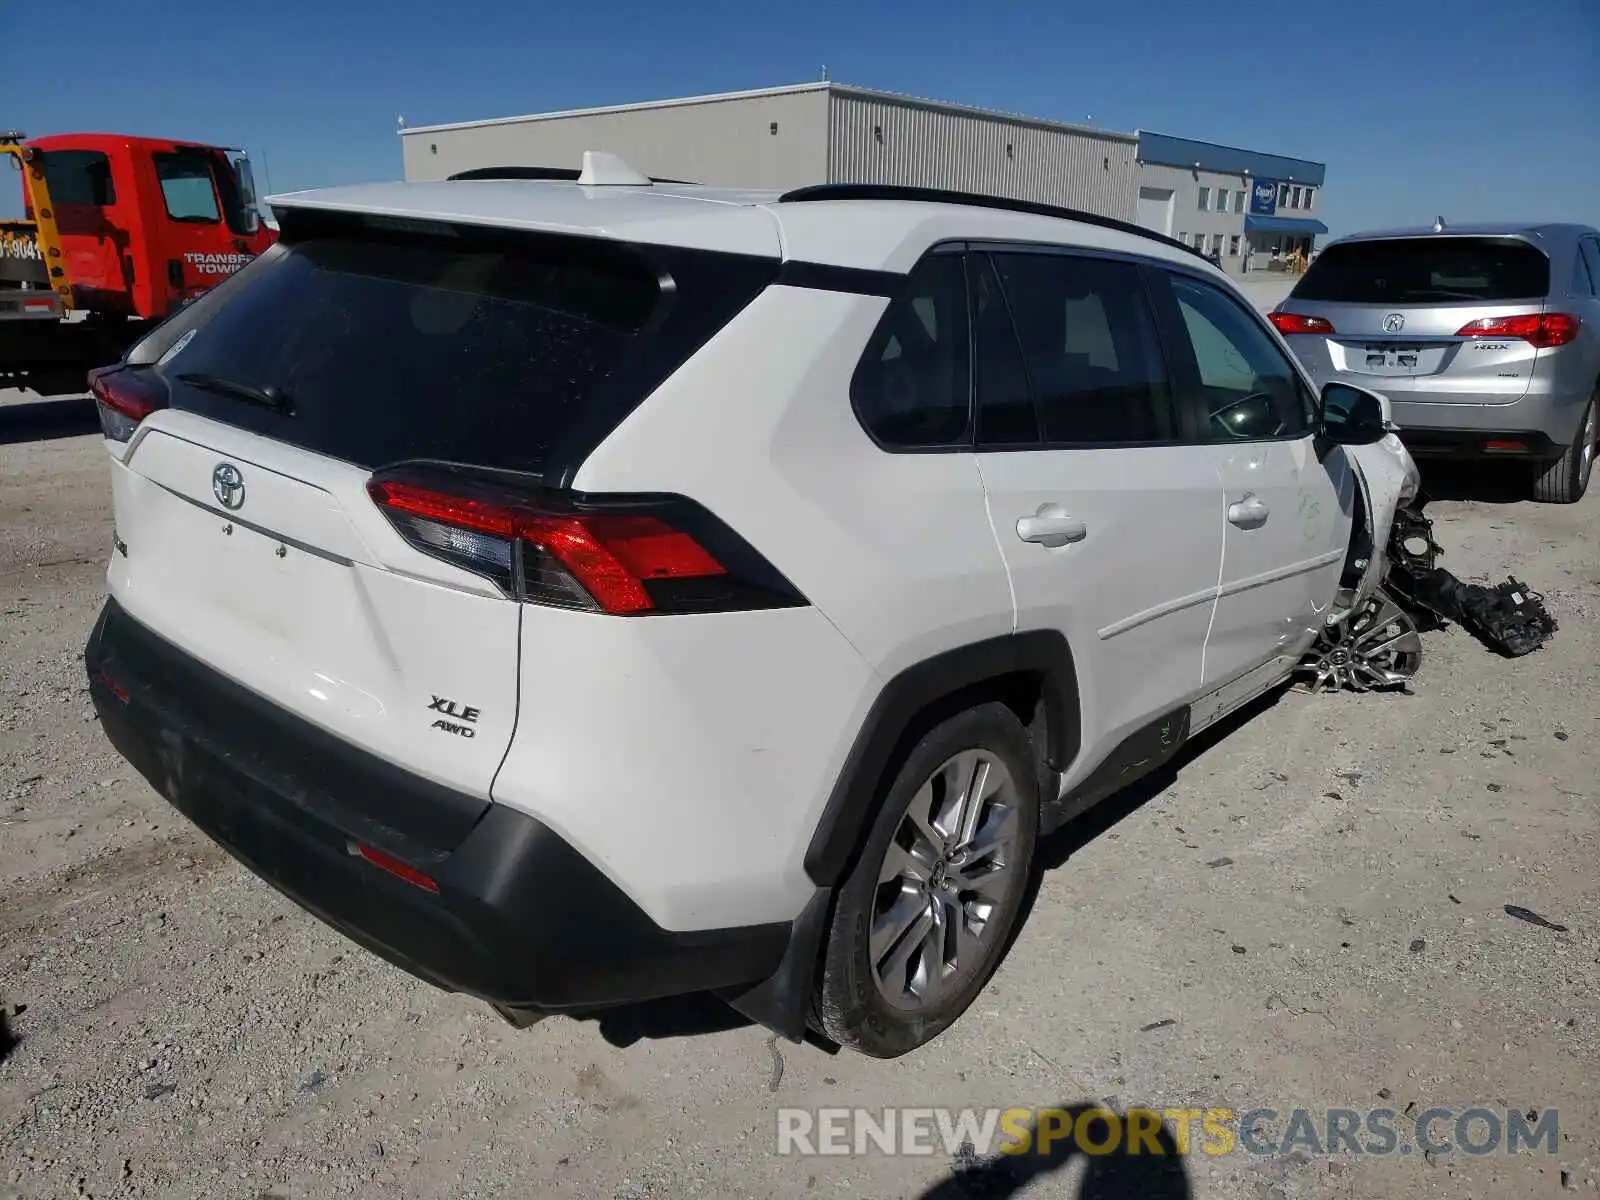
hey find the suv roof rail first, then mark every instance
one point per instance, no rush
(888, 191)
(560, 174)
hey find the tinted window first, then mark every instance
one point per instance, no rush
(1591, 258)
(1582, 278)
(79, 177)
(487, 352)
(1427, 270)
(1246, 386)
(1090, 346)
(912, 388)
(187, 187)
(1006, 415)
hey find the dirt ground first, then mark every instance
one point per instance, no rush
(1311, 913)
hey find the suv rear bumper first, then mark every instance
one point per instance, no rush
(509, 911)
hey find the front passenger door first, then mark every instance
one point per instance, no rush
(1288, 512)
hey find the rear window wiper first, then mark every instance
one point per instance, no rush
(274, 398)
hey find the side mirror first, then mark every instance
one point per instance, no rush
(1352, 416)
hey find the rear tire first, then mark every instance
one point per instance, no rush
(1565, 480)
(924, 917)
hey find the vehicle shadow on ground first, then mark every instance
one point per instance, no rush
(1116, 1174)
(1486, 482)
(41, 420)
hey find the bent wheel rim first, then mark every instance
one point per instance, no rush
(945, 881)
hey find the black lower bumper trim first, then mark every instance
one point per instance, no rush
(520, 918)
(1479, 443)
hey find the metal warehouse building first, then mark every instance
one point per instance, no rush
(788, 137)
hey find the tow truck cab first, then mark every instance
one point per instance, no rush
(146, 224)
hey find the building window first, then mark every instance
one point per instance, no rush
(1309, 193)
(1233, 246)
(1205, 198)
(1294, 198)
(1238, 200)
(1183, 239)
(1216, 243)
(1222, 199)
(1283, 195)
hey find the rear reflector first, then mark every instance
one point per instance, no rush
(112, 686)
(1289, 323)
(1544, 330)
(124, 398)
(44, 305)
(613, 556)
(1505, 447)
(395, 867)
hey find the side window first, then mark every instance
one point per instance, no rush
(186, 186)
(1091, 349)
(1591, 258)
(79, 177)
(1583, 283)
(1247, 388)
(1006, 413)
(912, 388)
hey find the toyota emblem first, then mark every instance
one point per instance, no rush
(227, 485)
(1394, 323)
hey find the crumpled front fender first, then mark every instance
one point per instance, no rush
(1389, 478)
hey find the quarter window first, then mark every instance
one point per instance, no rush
(1591, 255)
(1247, 388)
(186, 186)
(1090, 348)
(912, 388)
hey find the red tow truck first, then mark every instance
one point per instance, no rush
(117, 233)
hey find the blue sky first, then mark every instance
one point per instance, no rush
(1468, 109)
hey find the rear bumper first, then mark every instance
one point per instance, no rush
(518, 918)
(1476, 443)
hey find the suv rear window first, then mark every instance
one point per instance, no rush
(1427, 270)
(471, 348)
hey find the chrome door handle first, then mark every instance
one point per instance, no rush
(1249, 511)
(1052, 525)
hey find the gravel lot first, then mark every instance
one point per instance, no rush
(1312, 912)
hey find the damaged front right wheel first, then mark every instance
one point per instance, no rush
(1374, 648)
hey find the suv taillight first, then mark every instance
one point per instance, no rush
(620, 555)
(1543, 330)
(125, 397)
(1288, 323)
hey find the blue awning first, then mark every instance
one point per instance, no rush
(1297, 225)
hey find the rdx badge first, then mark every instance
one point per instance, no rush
(459, 712)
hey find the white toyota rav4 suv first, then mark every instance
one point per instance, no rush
(586, 589)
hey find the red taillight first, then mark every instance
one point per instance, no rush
(1288, 323)
(124, 398)
(112, 686)
(395, 867)
(597, 561)
(46, 305)
(1543, 330)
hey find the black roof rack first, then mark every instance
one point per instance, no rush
(566, 174)
(885, 191)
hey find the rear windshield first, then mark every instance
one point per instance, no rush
(391, 348)
(1427, 270)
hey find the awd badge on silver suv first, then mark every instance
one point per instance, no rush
(227, 485)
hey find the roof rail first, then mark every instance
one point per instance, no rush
(562, 174)
(886, 191)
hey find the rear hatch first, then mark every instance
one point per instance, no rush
(250, 531)
(1432, 315)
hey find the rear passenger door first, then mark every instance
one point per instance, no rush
(1110, 526)
(1287, 511)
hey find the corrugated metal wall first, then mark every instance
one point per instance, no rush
(881, 140)
(723, 143)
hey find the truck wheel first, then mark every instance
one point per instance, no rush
(1565, 480)
(922, 921)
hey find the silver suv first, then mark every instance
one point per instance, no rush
(1486, 339)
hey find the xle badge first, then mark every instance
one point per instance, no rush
(461, 714)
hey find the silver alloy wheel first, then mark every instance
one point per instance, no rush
(943, 879)
(1377, 646)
